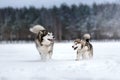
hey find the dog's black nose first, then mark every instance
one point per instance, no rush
(72, 46)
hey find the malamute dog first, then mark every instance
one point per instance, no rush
(84, 47)
(44, 41)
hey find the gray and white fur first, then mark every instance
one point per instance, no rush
(44, 41)
(84, 47)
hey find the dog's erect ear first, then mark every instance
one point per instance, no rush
(40, 32)
(44, 32)
(78, 40)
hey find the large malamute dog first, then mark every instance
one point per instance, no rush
(83, 47)
(44, 41)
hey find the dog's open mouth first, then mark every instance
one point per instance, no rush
(75, 48)
(51, 40)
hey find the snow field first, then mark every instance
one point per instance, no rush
(22, 62)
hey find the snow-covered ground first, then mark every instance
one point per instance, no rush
(22, 62)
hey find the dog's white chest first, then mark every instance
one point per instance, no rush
(83, 50)
(44, 49)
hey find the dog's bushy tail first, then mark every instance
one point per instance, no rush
(87, 37)
(35, 29)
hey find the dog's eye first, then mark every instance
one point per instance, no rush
(48, 34)
(75, 43)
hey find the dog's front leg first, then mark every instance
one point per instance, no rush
(91, 54)
(43, 56)
(50, 51)
(83, 56)
(78, 56)
(50, 54)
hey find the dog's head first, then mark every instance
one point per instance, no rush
(49, 37)
(78, 44)
(45, 37)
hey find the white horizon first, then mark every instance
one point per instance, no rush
(48, 3)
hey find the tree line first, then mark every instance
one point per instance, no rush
(102, 21)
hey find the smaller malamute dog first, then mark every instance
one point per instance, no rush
(44, 41)
(83, 47)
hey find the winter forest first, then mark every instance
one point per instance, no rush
(102, 21)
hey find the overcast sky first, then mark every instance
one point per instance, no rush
(48, 3)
